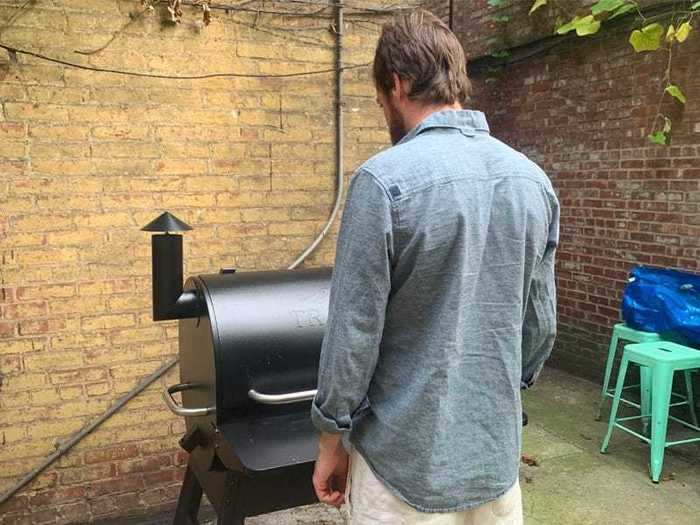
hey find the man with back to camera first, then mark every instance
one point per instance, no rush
(442, 303)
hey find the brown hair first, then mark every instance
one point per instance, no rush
(420, 48)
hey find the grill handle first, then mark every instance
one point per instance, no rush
(281, 399)
(179, 409)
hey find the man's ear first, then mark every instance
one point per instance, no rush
(398, 89)
(401, 88)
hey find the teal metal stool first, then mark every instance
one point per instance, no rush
(661, 359)
(621, 332)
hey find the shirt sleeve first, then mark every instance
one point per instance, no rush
(540, 320)
(360, 289)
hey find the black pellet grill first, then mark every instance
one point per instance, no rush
(249, 347)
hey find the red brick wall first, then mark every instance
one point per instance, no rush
(482, 28)
(582, 111)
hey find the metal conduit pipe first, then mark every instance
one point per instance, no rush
(451, 15)
(339, 142)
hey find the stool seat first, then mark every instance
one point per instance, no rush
(664, 352)
(637, 336)
(658, 361)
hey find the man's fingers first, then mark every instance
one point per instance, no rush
(321, 487)
(335, 499)
(324, 493)
(330, 477)
(331, 498)
(341, 483)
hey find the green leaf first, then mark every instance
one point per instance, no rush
(659, 138)
(497, 3)
(695, 6)
(587, 26)
(568, 27)
(667, 125)
(648, 38)
(537, 5)
(583, 26)
(676, 93)
(683, 31)
(622, 10)
(603, 6)
(500, 18)
(671, 34)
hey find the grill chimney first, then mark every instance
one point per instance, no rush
(169, 300)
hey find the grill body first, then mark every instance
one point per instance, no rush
(258, 336)
(249, 346)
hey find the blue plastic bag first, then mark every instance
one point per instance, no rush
(663, 301)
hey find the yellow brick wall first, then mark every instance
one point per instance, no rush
(88, 158)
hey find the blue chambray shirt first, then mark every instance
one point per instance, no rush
(442, 307)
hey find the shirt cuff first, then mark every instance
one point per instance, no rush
(326, 423)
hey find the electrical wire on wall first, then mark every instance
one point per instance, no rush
(320, 7)
(17, 51)
(337, 70)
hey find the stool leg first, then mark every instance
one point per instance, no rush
(616, 403)
(660, 400)
(691, 397)
(645, 397)
(612, 350)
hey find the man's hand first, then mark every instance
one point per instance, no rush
(331, 472)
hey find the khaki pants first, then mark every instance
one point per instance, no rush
(371, 503)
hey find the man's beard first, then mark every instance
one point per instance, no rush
(397, 126)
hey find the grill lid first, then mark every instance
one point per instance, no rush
(267, 329)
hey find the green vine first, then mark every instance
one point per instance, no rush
(650, 36)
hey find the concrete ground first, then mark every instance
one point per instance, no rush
(573, 483)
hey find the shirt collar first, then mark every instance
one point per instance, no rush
(466, 121)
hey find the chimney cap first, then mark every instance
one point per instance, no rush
(166, 222)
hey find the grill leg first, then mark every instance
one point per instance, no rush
(231, 515)
(233, 512)
(189, 500)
